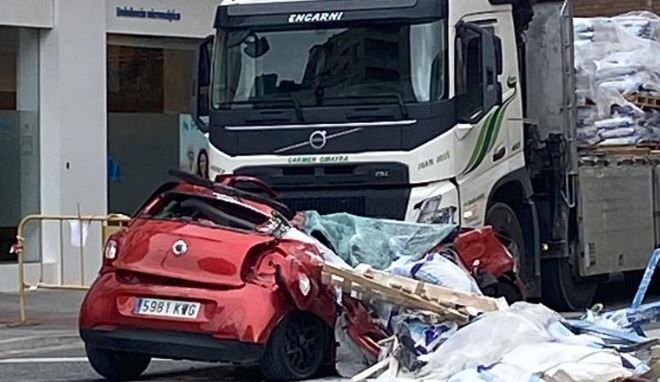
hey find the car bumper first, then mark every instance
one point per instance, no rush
(225, 314)
(175, 345)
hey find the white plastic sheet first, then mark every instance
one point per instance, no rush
(489, 338)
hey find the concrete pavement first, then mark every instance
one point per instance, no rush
(51, 350)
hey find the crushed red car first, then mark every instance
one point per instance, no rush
(207, 271)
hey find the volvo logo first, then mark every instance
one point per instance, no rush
(318, 139)
(180, 247)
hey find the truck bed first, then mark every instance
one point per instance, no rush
(619, 209)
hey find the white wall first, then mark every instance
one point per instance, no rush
(72, 107)
(28, 13)
(73, 124)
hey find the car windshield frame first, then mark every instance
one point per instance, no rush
(413, 59)
(268, 227)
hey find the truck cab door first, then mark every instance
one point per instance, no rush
(202, 84)
(478, 63)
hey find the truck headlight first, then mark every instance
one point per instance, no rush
(431, 213)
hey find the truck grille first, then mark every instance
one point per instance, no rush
(352, 205)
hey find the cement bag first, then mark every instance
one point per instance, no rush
(435, 269)
(486, 340)
(559, 362)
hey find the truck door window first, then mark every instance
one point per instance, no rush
(477, 68)
(469, 74)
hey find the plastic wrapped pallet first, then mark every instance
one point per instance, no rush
(614, 58)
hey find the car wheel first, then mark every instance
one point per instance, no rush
(296, 348)
(116, 365)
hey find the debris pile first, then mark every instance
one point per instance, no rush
(618, 79)
(401, 322)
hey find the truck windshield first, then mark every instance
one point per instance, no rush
(316, 67)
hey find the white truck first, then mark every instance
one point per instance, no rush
(437, 111)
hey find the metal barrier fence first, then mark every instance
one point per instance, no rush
(109, 224)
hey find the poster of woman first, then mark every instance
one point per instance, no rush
(193, 148)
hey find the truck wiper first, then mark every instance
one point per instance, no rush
(273, 103)
(393, 96)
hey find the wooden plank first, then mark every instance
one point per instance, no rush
(644, 101)
(435, 292)
(623, 150)
(399, 297)
(415, 294)
(371, 371)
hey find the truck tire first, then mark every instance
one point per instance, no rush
(505, 223)
(115, 365)
(562, 290)
(297, 348)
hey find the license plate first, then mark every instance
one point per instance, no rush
(167, 308)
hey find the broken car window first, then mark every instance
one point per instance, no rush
(206, 211)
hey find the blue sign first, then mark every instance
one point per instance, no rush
(169, 14)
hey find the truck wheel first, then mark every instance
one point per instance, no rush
(563, 291)
(505, 223)
(509, 290)
(296, 348)
(115, 365)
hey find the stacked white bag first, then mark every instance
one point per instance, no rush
(616, 57)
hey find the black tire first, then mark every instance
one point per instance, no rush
(509, 290)
(562, 290)
(505, 223)
(115, 365)
(296, 349)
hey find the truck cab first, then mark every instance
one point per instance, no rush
(401, 109)
(381, 109)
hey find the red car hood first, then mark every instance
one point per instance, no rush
(213, 255)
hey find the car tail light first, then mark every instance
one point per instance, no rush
(110, 252)
(304, 284)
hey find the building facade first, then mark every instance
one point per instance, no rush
(94, 99)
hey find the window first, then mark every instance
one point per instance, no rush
(478, 62)
(148, 78)
(19, 137)
(322, 66)
(469, 73)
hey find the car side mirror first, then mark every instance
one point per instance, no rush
(202, 84)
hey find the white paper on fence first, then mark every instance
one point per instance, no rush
(487, 339)
(567, 363)
(76, 238)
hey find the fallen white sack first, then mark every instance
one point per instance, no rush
(486, 340)
(559, 362)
